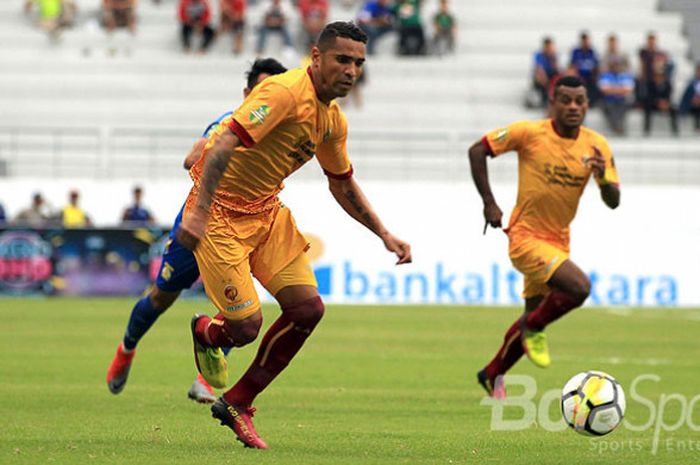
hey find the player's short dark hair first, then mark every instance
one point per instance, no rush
(344, 29)
(263, 66)
(567, 81)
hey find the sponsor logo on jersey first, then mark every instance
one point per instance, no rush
(233, 308)
(258, 115)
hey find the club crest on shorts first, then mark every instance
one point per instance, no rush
(230, 292)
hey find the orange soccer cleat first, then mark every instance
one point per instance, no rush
(118, 370)
(239, 420)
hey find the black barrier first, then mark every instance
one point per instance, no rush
(79, 262)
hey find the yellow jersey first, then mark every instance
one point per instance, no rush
(74, 217)
(552, 173)
(281, 125)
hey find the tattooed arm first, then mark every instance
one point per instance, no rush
(349, 195)
(194, 224)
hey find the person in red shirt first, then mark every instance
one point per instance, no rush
(314, 14)
(195, 16)
(233, 19)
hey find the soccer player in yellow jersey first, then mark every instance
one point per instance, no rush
(555, 160)
(236, 225)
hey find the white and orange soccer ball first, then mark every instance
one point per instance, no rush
(593, 403)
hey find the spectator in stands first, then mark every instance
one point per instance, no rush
(584, 62)
(445, 27)
(410, 27)
(546, 70)
(53, 14)
(195, 17)
(137, 214)
(37, 215)
(650, 57)
(119, 14)
(275, 20)
(617, 89)
(314, 16)
(72, 215)
(233, 19)
(651, 60)
(658, 99)
(691, 98)
(376, 18)
(613, 54)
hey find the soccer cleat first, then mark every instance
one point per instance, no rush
(118, 370)
(535, 346)
(495, 388)
(201, 391)
(211, 362)
(239, 420)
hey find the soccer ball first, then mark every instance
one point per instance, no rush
(593, 403)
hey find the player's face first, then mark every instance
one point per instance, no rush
(340, 67)
(569, 106)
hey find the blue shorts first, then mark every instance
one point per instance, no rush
(179, 269)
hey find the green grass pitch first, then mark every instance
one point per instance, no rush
(374, 385)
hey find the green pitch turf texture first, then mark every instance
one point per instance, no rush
(374, 385)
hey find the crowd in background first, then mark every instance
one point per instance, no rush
(197, 22)
(40, 214)
(612, 86)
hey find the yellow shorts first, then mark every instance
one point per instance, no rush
(238, 246)
(537, 260)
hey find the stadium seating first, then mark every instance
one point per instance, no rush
(690, 10)
(71, 109)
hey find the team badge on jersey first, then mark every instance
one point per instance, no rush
(500, 135)
(231, 292)
(258, 115)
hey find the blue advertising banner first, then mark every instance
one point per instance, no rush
(86, 262)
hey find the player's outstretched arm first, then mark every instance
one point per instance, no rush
(477, 161)
(349, 195)
(194, 224)
(195, 153)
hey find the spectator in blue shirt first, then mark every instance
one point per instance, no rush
(617, 93)
(546, 70)
(376, 18)
(691, 98)
(585, 62)
(136, 214)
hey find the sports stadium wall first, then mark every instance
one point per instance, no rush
(645, 253)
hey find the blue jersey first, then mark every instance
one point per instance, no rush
(136, 214)
(178, 269)
(547, 63)
(585, 61)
